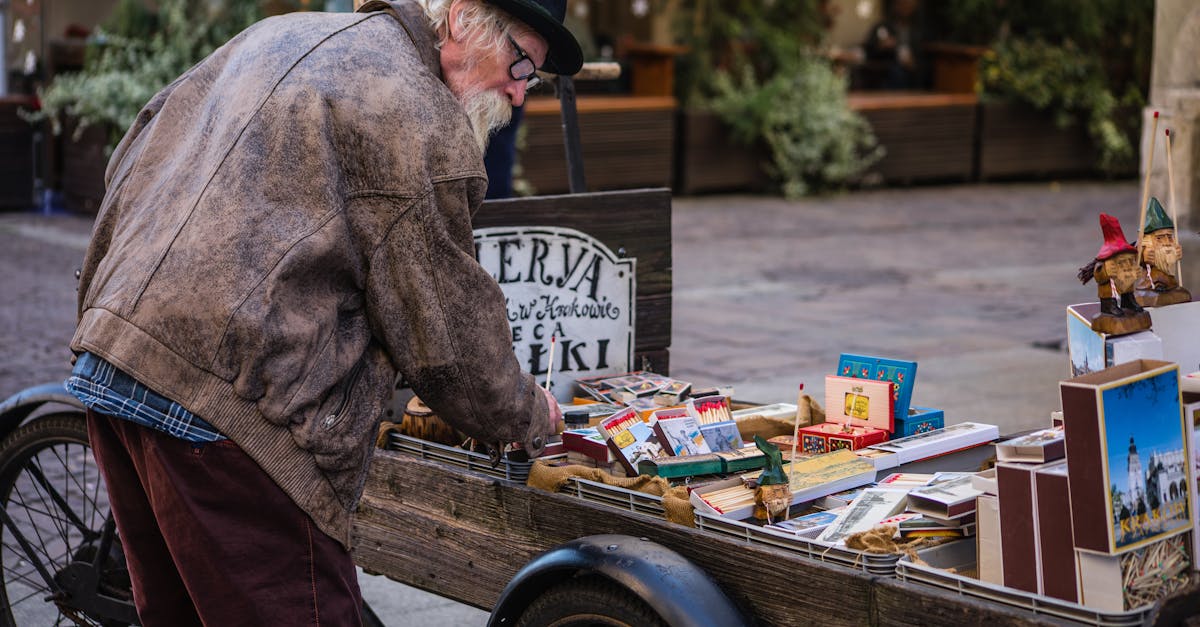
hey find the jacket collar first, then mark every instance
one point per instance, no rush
(412, 18)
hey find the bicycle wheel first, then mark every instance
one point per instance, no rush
(54, 496)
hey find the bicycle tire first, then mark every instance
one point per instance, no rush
(589, 601)
(52, 489)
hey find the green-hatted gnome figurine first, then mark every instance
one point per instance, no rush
(1115, 270)
(1159, 253)
(773, 496)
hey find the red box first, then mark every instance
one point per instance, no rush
(828, 436)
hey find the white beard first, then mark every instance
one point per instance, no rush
(1165, 258)
(487, 111)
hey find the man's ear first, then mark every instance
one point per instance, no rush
(452, 20)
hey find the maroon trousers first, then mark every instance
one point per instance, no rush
(211, 540)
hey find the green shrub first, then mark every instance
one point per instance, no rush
(134, 54)
(756, 64)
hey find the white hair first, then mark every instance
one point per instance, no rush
(483, 27)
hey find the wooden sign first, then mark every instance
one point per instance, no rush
(563, 283)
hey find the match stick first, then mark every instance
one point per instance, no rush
(550, 365)
(795, 434)
(1174, 207)
(1146, 183)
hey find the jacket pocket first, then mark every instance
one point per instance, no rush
(333, 418)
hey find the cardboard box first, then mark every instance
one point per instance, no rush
(1093, 352)
(1056, 548)
(1125, 495)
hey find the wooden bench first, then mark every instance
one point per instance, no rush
(927, 136)
(628, 142)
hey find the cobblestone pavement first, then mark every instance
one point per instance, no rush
(970, 281)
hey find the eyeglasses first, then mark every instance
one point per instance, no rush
(523, 69)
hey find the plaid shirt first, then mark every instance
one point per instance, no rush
(100, 386)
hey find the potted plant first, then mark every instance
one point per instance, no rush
(755, 67)
(131, 56)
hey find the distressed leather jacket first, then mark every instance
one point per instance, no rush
(286, 227)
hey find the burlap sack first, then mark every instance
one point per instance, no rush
(811, 413)
(676, 506)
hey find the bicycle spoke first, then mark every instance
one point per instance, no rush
(57, 496)
(41, 543)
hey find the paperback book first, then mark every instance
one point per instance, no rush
(871, 507)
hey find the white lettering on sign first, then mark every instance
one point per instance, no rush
(565, 284)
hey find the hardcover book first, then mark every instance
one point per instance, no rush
(950, 499)
(953, 438)
(1126, 444)
(1038, 447)
(871, 507)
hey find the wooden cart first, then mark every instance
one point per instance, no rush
(464, 533)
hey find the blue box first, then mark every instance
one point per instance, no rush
(919, 420)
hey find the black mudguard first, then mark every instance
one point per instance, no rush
(678, 590)
(16, 408)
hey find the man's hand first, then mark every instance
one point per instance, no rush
(556, 416)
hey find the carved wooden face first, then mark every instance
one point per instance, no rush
(1123, 270)
(1161, 250)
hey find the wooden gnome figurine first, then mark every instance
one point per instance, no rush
(773, 496)
(1115, 269)
(1159, 253)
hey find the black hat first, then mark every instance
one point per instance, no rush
(546, 18)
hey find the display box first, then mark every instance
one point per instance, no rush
(901, 374)
(1019, 526)
(1159, 568)
(988, 547)
(1092, 352)
(1056, 548)
(1176, 325)
(919, 420)
(827, 437)
(1126, 444)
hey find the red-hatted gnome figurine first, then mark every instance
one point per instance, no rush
(1157, 284)
(1115, 269)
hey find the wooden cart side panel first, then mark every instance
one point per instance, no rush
(900, 603)
(464, 536)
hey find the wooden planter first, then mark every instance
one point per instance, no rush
(927, 136)
(83, 164)
(710, 160)
(1015, 141)
(16, 155)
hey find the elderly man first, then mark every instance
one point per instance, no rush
(286, 228)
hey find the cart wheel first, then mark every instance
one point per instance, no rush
(588, 601)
